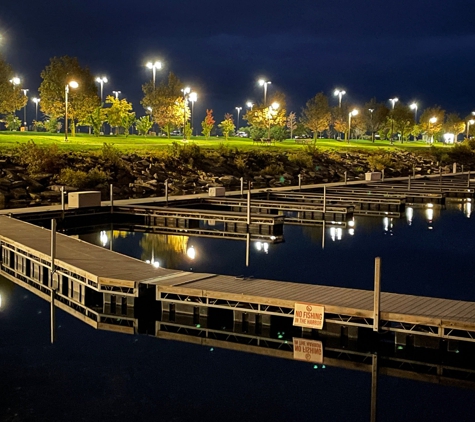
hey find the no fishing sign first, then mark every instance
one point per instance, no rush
(308, 315)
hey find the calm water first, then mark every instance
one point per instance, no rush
(98, 375)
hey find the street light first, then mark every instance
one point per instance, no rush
(250, 104)
(264, 83)
(371, 110)
(74, 85)
(238, 111)
(271, 110)
(339, 93)
(15, 81)
(413, 106)
(193, 97)
(154, 67)
(36, 101)
(185, 91)
(432, 120)
(24, 108)
(470, 122)
(116, 93)
(350, 114)
(393, 101)
(102, 80)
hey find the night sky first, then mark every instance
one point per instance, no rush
(415, 50)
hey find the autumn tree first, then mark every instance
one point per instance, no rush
(208, 123)
(169, 108)
(119, 114)
(227, 125)
(454, 124)
(263, 117)
(431, 122)
(11, 96)
(316, 115)
(143, 125)
(403, 118)
(374, 116)
(95, 120)
(82, 101)
(292, 123)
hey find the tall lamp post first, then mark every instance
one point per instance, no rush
(393, 101)
(25, 91)
(264, 83)
(432, 120)
(154, 66)
(270, 111)
(339, 93)
(36, 101)
(413, 106)
(74, 85)
(102, 80)
(185, 91)
(371, 110)
(470, 122)
(238, 109)
(350, 115)
(250, 104)
(116, 93)
(193, 97)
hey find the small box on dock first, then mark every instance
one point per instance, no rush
(217, 191)
(374, 175)
(84, 199)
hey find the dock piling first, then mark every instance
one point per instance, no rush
(409, 182)
(454, 168)
(377, 293)
(346, 177)
(166, 192)
(324, 201)
(242, 186)
(248, 205)
(300, 181)
(111, 193)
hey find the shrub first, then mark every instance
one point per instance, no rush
(38, 159)
(301, 160)
(273, 170)
(80, 179)
(379, 161)
(111, 154)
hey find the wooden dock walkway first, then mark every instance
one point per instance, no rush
(83, 271)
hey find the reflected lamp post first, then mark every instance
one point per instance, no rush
(74, 85)
(339, 93)
(264, 83)
(36, 101)
(116, 93)
(154, 66)
(25, 92)
(192, 97)
(350, 115)
(238, 109)
(102, 80)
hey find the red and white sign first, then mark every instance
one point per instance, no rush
(309, 316)
(308, 350)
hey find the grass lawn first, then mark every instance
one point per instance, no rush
(135, 143)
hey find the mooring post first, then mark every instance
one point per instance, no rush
(413, 171)
(346, 177)
(382, 175)
(248, 205)
(324, 201)
(248, 248)
(377, 292)
(323, 235)
(166, 192)
(454, 168)
(242, 186)
(468, 180)
(62, 202)
(300, 181)
(111, 195)
(52, 273)
(409, 182)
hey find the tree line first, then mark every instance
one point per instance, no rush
(167, 108)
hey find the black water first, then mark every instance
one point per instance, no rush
(99, 375)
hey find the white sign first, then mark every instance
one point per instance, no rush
(308, 350)
(309, 316)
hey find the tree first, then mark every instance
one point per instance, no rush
(454, 124)
(143, 125)
(376, 119)
(95, 120)
(119, 113)
(431, 122)
(227, 125)
(208, 123)
(81, 101)
(316, 115)
(11, 96)
(263, 117)
(292, 123)
(340, 118)
(403, 120)
(169, 109)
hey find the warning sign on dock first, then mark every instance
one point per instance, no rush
(308, 350)
(309, 316)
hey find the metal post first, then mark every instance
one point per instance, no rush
(454, 168)
(242, 186)
(53, 247)
(62, 202)
(413, 171)
(300, 182)
(377, 293)
(52, 286)
(166, 192)
(346, 177)
(468, 180)
(382, 175)
(248, 248)
(112, 197)
(324, 201)
(409, 182)
(248, 205)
